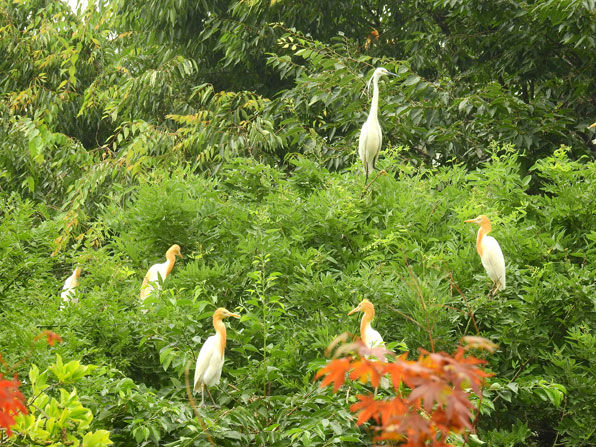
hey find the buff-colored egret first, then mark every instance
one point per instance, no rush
(70, 284)
(370, 337)
(211, 357)
(157, 271)
(490, 253)
(371, 137)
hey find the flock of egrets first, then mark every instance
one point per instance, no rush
(211, 357)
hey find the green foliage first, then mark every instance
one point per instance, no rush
(293, 253)
(56, 415)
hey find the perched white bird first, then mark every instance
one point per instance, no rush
(490, 253)
(371, 137)
(211, 358)
(589, 127)
(70, 284)
(370, 337)
(156, 271)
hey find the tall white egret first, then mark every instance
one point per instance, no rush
(370, 337)
(156, 271)
(69, 285)
(211, 357)
(490, 253)
(371, 137)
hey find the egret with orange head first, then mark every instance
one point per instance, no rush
(370, 337)
(490, 253)
(211, 357)
(70, 284)
(157, 271)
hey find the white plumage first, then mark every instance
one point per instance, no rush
(371, 136)
(490, 253)
(68, 290)
(158, 273)
(493, 261)
(370, 337)
(209, 363)
(373, 338)
(211, 357)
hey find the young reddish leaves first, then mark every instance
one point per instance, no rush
(51, 337)
(431, 398)
(12, 402)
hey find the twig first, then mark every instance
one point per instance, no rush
(381, 172)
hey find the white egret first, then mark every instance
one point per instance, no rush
(156, 271)
(490, 253)
(211, 357)
(70, 284)
(371, 137)
(370, 337)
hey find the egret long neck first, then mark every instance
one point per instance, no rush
(220, 330)
(171, 257)
(365, 324)
(374, 105)
(483, 231)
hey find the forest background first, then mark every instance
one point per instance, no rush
(230, 128)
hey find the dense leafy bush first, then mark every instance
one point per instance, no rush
(293, 253)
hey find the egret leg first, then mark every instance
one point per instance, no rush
(493, 290)
(209, 392)
(365, 172)
(202, 395)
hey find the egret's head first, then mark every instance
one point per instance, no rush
(174, 250)
(77, 272)
(483, 221)
(480, 220)
(364, 306)
(222, 313)
(380, 71)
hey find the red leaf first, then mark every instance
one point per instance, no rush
(368, 406)
(365, 370)
(335, 372)
(430, 392)
(51, 337)
(12, 402)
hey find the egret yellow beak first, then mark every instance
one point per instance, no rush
(356, 309)
(593, 125)
(234, 315)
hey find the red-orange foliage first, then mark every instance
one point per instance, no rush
(431, 393)
(51, 337)
(12, 402)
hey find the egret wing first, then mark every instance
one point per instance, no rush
(204, 360)
(494, 261)
(373, 338)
